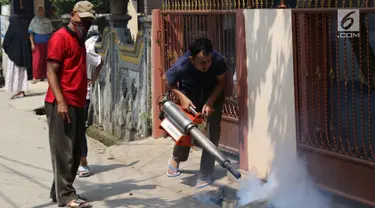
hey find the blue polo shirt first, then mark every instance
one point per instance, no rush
(196, 85)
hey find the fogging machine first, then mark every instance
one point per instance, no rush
(182, 126)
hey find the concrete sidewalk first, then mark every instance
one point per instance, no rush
(132, 174)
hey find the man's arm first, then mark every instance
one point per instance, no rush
(219, 87)
(97, 71)
(52, 69)
(172, 77)
(96, 60)
(222, 73)
(55, 56)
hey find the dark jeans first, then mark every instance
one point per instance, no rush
(181, 153)
(66, 145)
(85, 148)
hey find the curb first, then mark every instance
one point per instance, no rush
(97, 133)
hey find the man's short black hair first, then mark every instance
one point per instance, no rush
(201, 45)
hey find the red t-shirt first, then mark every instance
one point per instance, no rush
(64, 48)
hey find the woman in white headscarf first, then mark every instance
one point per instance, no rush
(40, 30)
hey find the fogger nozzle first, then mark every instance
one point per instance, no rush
(207, 145)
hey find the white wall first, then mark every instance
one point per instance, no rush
(38, 3)
(5, 13)
(133, 23)
(272, 131)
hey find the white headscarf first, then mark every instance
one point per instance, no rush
(40, 25)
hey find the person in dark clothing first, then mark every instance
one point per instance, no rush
(17, 46)
(200, 75)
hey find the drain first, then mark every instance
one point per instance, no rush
(229, 196)
(230, 200)
(40, 111)
(257, 204)
(229, 203)
(226, 197)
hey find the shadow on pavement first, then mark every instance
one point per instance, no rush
(28, 95)
(49, 204)
(192, 180)
(35, 94)
(24, 164)
(102, 192)
(96, 169)
(151, 202)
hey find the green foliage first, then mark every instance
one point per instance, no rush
(101, 6)
(61, 7)
(4, 2)
(146, 117)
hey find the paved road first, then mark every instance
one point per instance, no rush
(25, 166)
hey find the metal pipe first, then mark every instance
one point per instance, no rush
(207, 145)
(176, 116)
(185, 124)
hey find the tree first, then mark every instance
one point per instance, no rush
(61, 7)
(4, 2)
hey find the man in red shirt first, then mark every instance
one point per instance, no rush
(65, 102)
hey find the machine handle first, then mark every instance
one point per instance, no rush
(195, 113)
(192, 110)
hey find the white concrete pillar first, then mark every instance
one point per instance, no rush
(5, 13)
(272, 125)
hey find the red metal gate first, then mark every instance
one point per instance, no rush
(334, 100)
(177, 29)
(181, 29)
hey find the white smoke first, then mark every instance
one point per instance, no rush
(288, 185)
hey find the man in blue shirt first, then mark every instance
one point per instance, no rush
(197, 79)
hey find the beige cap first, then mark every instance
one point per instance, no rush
(84, 9)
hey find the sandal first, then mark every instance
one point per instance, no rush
(203, 182)
(79, 197)
(79, 203)
(176, 171)
(18, 95)
(83, 171)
